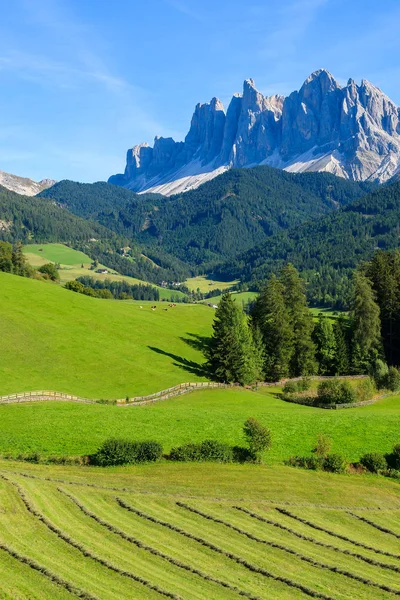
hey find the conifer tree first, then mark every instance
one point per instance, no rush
(325, 342)
(270, 315)
(365, 324)
(232, 356)
(384, 272)
(341, 363)
(303, 357)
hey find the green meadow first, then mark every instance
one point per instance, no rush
(59, 340)
(74, 264)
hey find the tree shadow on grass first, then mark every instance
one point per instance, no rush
(183, 363)
(198, 342)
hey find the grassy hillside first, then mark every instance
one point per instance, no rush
(75, 429)
(137, 535)
(71, 262)
(95, 348)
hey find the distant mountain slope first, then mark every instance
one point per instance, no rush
(23, 185)
(215, 222)
(36, 219)
(28, 218)
(327, 249)
(352, 131)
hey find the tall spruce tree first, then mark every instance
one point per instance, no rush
(232, 355)
(271, 317)
(384, 272)
(365, 324)
(341, 363)
(325, 342)
(303, 357)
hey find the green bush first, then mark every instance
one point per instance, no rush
(49, 270)
(393, 459)
(207, 451)
(365, 390)
(334, 391)
(186, 453)
(290, 387)
(393, 379)
(257, 436)
(334, 463)
(121, 452)
(304, 462)
(373, 462)
(304, 384)
(379, 373)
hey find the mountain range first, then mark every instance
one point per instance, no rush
(23, 185)
(352, 131)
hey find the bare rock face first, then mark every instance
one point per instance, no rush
(23, 185)
(351, 131)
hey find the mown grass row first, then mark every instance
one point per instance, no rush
(316, 542)
(155, 552)
(287, 513)
(375, 525)
(66, 538)
(239, 560)
(53, 577)
(302, 557)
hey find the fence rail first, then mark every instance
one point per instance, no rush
(172, 392)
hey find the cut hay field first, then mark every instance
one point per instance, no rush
(196, 532)
(207, 284)
(71, 262)
(59, 340)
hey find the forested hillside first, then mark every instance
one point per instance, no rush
(215, 222)
(38, 220)
(327, 249)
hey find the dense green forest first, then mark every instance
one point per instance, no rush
(215, 222)
(40, 219)
(326, 250)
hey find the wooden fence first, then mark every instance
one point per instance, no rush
(172, 392)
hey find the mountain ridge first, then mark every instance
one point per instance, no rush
(352, 131)
(24, 185)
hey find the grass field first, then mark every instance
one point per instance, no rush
(76, 429)
(207, 284)
(240, 297)
(56, 339)
(71, 262)
(180, 531)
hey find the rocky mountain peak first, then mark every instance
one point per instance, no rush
(352, 131)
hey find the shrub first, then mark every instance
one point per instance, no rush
(207, 451)
(393, 379)
(257, 436)
(120, 452)
(322, 447)
(334, 391)
(304, 384)
(365, 390)
(186, 453)
(304, 462)
(373, 462)
(393, 459)
(379, 373)
(334, 463)
(49, 270)
(290, 387)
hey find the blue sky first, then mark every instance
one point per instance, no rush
(84, 80)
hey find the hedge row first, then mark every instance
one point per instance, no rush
(298, 555)
(247, 565)
(316, 542)
(287, 513)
